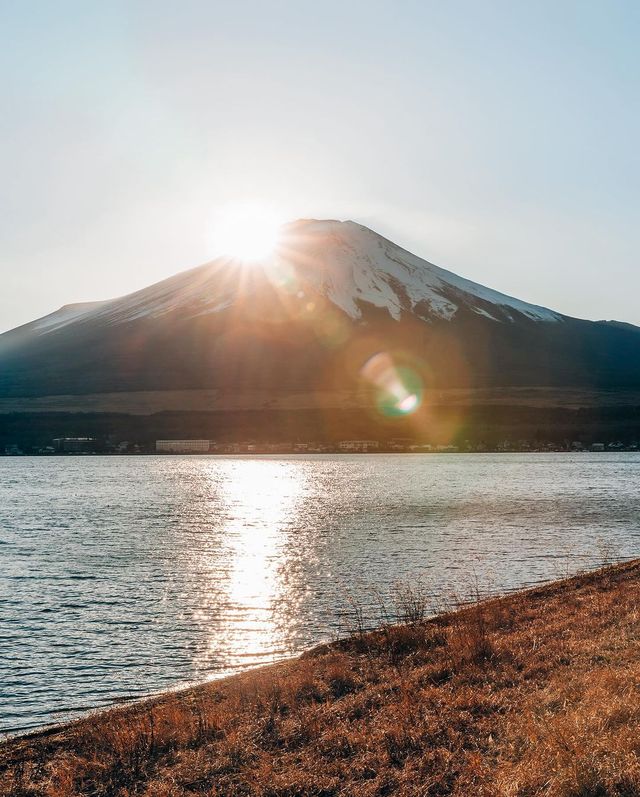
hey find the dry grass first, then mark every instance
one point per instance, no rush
(534, 694)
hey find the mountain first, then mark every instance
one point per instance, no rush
(307, 321)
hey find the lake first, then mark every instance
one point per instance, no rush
(122, 576)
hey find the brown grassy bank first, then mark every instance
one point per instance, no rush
(537, 693)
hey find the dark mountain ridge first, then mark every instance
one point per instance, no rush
(308, 320)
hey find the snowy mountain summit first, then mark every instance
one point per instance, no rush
(352, 264)
(306, 320)
(347, 263)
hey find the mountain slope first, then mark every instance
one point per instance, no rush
(309, 318)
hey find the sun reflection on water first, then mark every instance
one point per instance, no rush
(258, 503)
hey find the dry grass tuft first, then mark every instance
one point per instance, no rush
(537, 693)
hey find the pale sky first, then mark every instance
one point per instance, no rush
(497, 139)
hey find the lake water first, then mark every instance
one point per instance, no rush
(121, 576)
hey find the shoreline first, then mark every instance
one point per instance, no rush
(507, 654)
(155, 698)
(124, 704)
(311, 453)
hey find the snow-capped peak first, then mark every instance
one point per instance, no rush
(351, 264)
(345, 262)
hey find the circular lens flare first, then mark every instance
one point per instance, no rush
(408, 404)
(399, 387)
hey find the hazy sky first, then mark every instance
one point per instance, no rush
(498, 139)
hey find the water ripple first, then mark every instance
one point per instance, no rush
(121, 576)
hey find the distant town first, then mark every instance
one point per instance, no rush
(91, 445)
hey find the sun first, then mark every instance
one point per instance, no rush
(246, 231)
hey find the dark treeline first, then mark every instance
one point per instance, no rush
(480, 425)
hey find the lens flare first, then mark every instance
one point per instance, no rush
(400, 387)
(408, 404)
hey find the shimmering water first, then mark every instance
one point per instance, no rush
(121, 576)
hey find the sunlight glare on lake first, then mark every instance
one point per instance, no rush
(260, 501)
